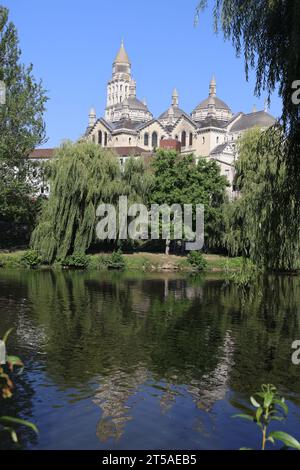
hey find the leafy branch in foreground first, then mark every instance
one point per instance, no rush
(7, 364)
(269, 407)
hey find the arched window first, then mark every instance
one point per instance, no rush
(129, 140)
(191, 139)
(203, 140)
(100, 137)
(154, 140)
(105, 139)
(176, 137)
(146, 139)
(183, 138)
(217, 139)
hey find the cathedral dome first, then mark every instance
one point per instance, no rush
(212, 106)
(173, 113)
(134, 103)
(220, 104)
(177, 113)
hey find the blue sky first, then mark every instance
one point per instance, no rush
(72, 44)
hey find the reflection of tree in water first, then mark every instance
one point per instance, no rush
(203, 337)
(112, 398)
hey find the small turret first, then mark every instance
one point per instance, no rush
(213, 86)
(175, 99)
(92, 117)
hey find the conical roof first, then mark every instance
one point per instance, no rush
(122, 56)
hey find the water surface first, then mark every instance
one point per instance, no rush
(132, 361)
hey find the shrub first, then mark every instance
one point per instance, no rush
(115, 260)
(268, 407)
(31, 259)
(77, 261)
(196, 259)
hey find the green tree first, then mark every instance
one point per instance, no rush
(82, 176)
(267, 33)
(21, 128)
(179, 180)
(256, 224)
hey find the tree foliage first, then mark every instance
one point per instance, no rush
(267, 33)
(82, 176)
(178, 179)
(21, 127)
(256, 221)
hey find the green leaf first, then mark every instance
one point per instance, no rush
(243, 416)
(268, 399)
(12, 432)
(254, 402)
(259, 413)
(282, 404)
(10, 420)
(287, 439)
(5, 337)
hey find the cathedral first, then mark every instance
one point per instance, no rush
(129, 128)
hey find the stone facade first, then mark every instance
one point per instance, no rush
(209, 131)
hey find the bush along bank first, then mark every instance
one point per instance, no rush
(141, 261)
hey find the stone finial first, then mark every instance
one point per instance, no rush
(175, 99)
(92, 117)
(213, 86)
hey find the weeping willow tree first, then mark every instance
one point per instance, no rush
(256, 224)
(267, 34)
(82, 176)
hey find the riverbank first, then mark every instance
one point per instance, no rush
(140, 261)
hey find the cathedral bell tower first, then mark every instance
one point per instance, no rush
(119, 87)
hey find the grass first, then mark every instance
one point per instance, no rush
(147, 262)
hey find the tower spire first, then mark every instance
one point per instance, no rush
(122, 56)
(213, 86)
(175, 97)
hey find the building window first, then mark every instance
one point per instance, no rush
(154, 140)
(93, 138)
(121, 87)
(129, 140)
(217, 139)
(100, 137)
(105, 139)
(203, 140)
(176, 137)
(146, 139)
(183, 138)
(191, 139)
